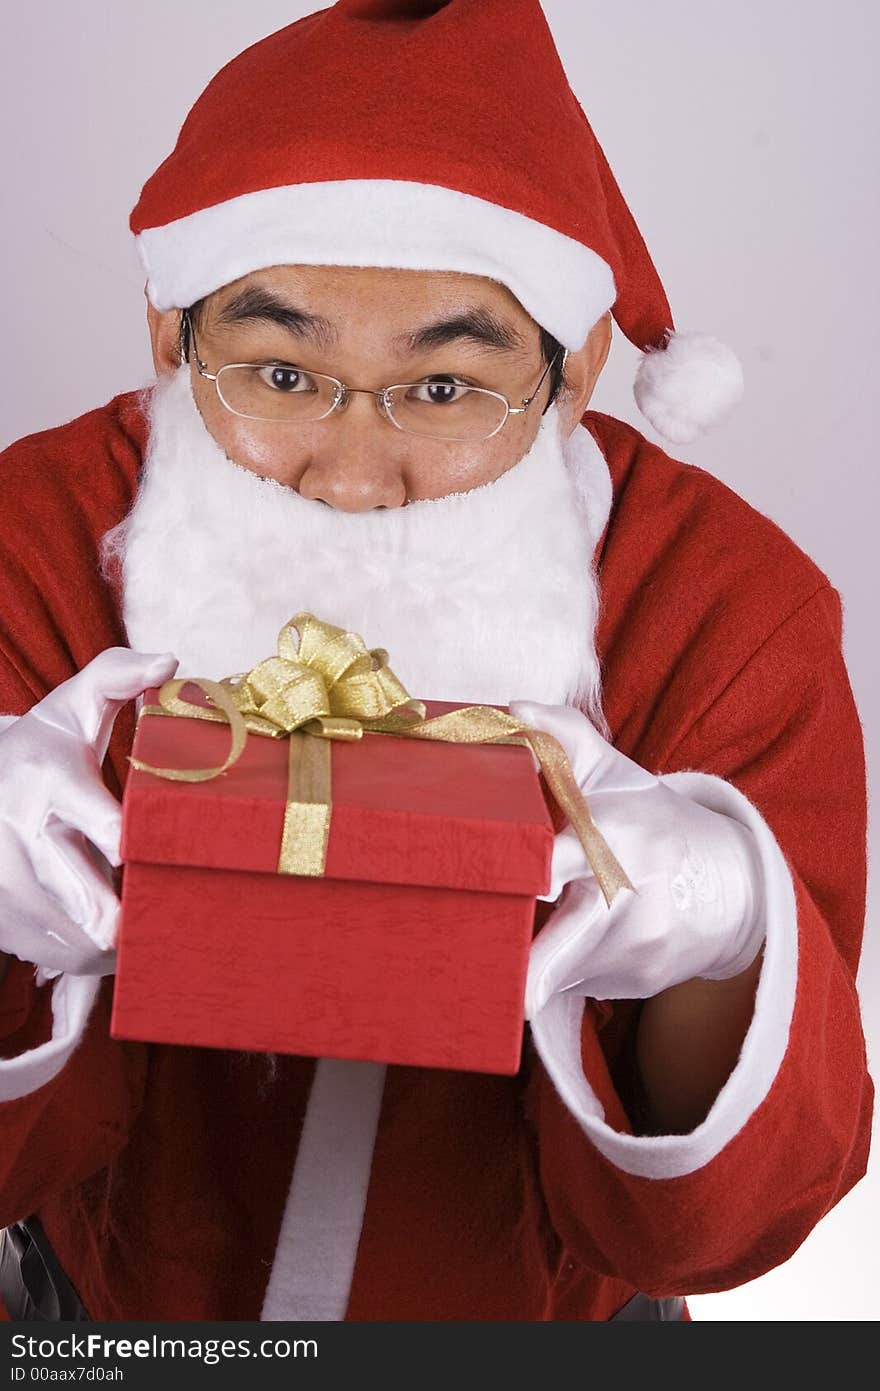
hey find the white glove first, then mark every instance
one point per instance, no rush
(698, 904)
(57, 905)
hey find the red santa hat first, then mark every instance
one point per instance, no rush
(428, 135)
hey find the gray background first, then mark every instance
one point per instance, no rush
(744, 139)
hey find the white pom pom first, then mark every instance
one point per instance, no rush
(689, 385)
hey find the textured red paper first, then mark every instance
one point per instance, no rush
(411, 949)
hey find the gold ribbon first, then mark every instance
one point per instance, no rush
(324, 683)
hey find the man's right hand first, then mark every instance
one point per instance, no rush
(59, 824)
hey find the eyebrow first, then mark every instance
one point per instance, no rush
(255, 304)
(476, 325)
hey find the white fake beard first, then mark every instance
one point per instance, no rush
(487, 596)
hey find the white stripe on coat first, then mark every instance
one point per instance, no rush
(321, 1227)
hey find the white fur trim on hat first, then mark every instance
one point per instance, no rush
(688, 386)
(564, 285)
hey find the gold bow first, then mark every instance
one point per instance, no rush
(326, 684)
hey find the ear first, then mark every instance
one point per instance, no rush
(582, 370)
(164, 329)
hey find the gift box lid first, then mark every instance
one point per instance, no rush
(404, 811)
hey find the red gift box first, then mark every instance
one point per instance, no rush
(411, 948)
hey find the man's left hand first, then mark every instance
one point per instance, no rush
(697, 905)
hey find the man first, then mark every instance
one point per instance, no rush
(375, 339)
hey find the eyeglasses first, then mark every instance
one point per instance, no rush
(440, 407)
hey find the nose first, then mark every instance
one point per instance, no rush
(358, 459)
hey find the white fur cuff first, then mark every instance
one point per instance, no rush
(72, 1000)
(557, 1028)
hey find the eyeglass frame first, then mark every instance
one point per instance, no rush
(344, 391)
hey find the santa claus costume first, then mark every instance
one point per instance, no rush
(188, 1183)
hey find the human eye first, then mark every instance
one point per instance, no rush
(285, 378)
(440, 391)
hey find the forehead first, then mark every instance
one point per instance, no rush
(397, 299)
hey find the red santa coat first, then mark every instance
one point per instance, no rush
(161, 1173)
